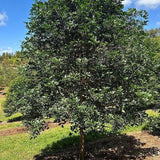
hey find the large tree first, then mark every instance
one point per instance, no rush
(88, 59)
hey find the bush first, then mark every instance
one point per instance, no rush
(153, 124)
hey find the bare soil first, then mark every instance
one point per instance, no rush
(3, 91)
(21, 130)
(12, 131)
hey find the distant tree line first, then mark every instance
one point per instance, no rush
(6, 55)
(152, 33)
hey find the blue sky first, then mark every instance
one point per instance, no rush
(13, 14)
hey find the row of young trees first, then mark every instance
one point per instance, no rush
(9, 64)
(89, 61)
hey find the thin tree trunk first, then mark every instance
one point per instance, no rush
(81, 144)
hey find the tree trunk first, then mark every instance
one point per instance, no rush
(81, 144)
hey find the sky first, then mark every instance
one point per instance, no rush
(13, 14)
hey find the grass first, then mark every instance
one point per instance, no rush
(3, 118)
(134, 128)
(21, 147)
(2, 114)
(152, 113)
(10, 125)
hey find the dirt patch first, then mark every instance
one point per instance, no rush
(20, 130)
(13, 131)
(3, 91)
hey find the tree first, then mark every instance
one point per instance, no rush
(152, 33)
(88, 60)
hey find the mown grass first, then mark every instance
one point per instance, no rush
(21, 147)
(10, 125)
(14, 117)
(2, 114)
(18, 147)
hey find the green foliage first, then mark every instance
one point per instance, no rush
(14, 94)
(7, 74)
(9, 64)
(153, 122)
(89, 62)
(12, 118)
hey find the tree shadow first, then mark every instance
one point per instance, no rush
(1, 88)
(120, 147)
(155, 132)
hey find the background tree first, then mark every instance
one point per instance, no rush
(88, 61)
(152, 33)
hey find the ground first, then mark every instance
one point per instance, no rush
(130, 146)
(3, 92)
(133, 145)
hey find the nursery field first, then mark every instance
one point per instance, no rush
(55, 143)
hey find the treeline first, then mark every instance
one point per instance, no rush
(9, 64)
(152, 33)
(11, 59)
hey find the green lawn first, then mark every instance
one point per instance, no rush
(20, 147)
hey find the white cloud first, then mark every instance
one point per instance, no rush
(7, 50)
(158, 23)
(127, 2)
(3, 19)
(148, 3)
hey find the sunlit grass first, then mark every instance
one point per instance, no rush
(2, 114)
(18, 147)
(10, 125)
(152, 113)
(134, 128)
